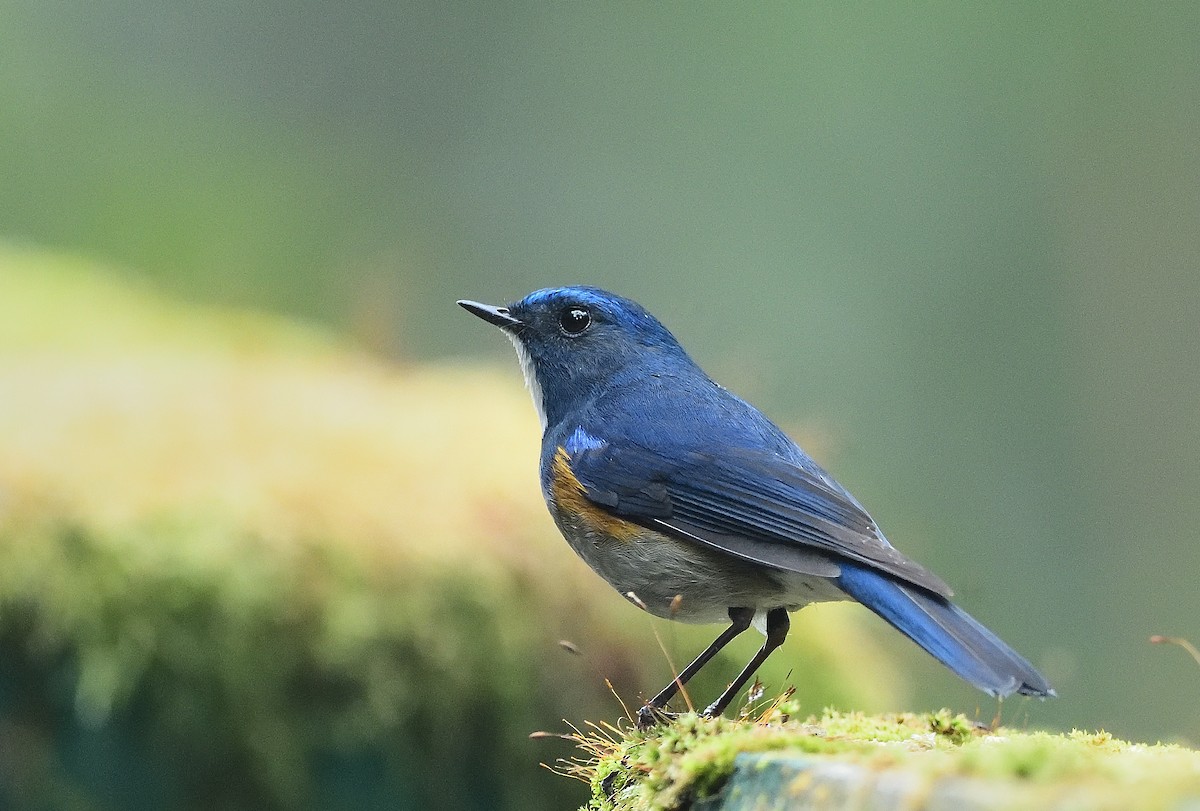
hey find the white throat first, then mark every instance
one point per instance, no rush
(531, 381)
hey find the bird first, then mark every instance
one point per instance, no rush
(696, 507)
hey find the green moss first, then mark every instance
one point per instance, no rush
(672, 766)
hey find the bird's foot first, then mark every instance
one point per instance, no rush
(651, 716)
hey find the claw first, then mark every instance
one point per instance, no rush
(650, 716)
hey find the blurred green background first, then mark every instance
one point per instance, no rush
(953, 247)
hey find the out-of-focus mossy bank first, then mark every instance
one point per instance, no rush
(776, 762)
(244, 566)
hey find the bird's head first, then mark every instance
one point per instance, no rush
(574, 342)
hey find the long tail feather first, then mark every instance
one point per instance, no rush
(945, 631)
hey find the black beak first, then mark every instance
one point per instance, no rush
(493, 315)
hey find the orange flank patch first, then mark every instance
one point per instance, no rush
(570, 498)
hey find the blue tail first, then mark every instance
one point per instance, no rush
(945, 631)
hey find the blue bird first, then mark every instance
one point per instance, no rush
(697, 508)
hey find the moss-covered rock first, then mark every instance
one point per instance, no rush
(771, 759)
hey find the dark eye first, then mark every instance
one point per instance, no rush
(574, 320)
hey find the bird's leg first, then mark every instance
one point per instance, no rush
(740, 619)
(777, 630)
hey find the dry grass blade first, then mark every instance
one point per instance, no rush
(624, 708)
(674, 672)
(1180, 641)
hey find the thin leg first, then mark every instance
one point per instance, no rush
(740, 619)
(778, 624)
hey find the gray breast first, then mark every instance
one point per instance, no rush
(678, 579)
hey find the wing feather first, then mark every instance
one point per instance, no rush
(750, 504)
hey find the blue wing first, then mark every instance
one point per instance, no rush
(748, 503)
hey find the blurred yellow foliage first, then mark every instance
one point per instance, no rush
(277, 431)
